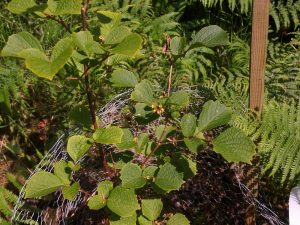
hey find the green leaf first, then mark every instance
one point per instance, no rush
(41, 184)
(210, 36)
(70, 192)
(123, 78)
(179, 98)
(117, 35)
(5, 104)
(61, 7)
(109, 135)
(195, 145)
(96, 203)
(142, 141)
(131, 176)
(213, 114)
(129, 46)
(162, 132)
(188, 125)
(85, 42)
(143, 92)
(81, 115)
(108, 21)
(185, 165)
(63, 171)
(149, 172)
(19, 42)
(234, 145)
(21, 6)
(127, 141)
(77, 146)
(104, 188)
(144, 221)
(41, 65)
(168, 179)
(178, 219)
(125, 221)
(122, 201)
(177, 45)
(151, 208)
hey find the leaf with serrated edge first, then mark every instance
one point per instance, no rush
(151, 208)
(122, 201)
(177, 45)
(131, 176)
(109, 135)
(108, 21)
(117, 35)
(70, 192)
(96, 203)
(127, 141)
(123, 78)
(179, 98)
(21, 6)
(234, 145)
(178, 219)
(104, 188)
(125, 221)
(194, 144)
(143, 92)
(144, 221)
(168, 179)
(77, 146)
(62, 7)
(129, 46)
(62, 171)
(42, 183)
(188, 125)
(149, 172)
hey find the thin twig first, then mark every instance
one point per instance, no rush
(60, 21)
(170, 78)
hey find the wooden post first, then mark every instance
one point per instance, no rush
(260, 25)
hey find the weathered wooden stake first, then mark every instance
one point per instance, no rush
(260, 24)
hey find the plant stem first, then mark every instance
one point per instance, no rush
(170, 78)
(60, 21)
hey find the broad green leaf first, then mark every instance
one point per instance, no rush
(234, 145)
(188, 125)
(125, 221)
(142, 142)
(104, 188)
(168, 179)
(129, 46)
(41, 184)
(213, 114)
(122, 201)
(127, 141)
(109, 135)
(149, 172)
(131, 176)
(177, 45)
(81, 115)
(70, 192)
(195, 145)
(61, 7)
(123, 78)
(19, 42)
(63, 171)
(162, 132)
(179, 98)
(210, 36)
(109, 21)
(140, 110)
(178, 219)
(151, 208)
(117, 35)
(143, 92)
(96, 203)
(144, 221)
(85, 42)
(77, 146)
(21, 6)
(184, 164)
(41, 65)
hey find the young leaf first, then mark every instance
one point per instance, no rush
(21, 6)
(131, 176)
(70, 192)
(61, 7)
(123, 78)
(77, 146)
(213, 114)
(117, 35)
(41, 65)
(151, 208)
(109, 21)
(96, 203)
(41, 184)
(127, 141)
(168, 179)
(179, 98)
(143, 92)
(122, 201)
(234, 145)
(104, 188)
(188, 125)
(195, 145)
(109, 135)
(129, 46)
(149, 172)
(178, 219)
(144, 221)
(210, 36)
(177, 45)
(19, 42)
(62, 171)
